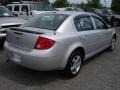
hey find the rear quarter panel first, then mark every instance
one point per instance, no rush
(67, 37)
(69, 42)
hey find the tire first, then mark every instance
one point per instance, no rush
(74, 64)
(112, 44)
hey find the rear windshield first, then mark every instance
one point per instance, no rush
(46, 21)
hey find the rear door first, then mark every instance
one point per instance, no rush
(106, 34)
(87, 34)
(16, 9)
(25, 11)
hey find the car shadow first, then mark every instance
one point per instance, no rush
(1, 48)
(30, 77)
(94, 57)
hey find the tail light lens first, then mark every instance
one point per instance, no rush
(44, 43)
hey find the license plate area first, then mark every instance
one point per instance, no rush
(15, 58)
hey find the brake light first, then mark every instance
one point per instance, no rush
(44, 43)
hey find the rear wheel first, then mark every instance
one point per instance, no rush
(112, 44)
(74, 64)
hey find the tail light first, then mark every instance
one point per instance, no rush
(44, 43)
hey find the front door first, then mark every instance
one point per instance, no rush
(25, 12)
(16, 10)
(87, 34)
(105, 32)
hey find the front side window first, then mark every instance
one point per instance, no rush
(46, 21)
(99, 23)
(16, 8)
(83, 23)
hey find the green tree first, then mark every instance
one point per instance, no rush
(5, 2)
(93, 4)
(79, 5)
(90, 4)
(82, 5)
(46, 1)
(116, 6)
(61, 3)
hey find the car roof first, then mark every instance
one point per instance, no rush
(18, 3)
(71, 12)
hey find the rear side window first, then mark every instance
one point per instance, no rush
(24, 8)
(99, 23)
(46, 21)
(83, 23)
(16, 8)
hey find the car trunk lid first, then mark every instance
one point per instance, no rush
(25, 38)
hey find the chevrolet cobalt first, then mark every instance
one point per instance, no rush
(59, 41)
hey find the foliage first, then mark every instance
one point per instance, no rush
(90, 4)
(5, 2)
(61, 3)
(116, 6)
(46, 1)
(93, 4)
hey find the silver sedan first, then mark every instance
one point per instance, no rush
(59, 41)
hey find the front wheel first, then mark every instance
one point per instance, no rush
(74, 64)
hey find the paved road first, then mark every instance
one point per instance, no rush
(101, 72)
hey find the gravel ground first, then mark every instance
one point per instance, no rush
(101, 72)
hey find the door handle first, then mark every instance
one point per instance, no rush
(84, 37)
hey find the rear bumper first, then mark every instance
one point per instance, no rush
(43, 61)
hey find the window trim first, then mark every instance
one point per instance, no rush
(80, 16)
(92, 16)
